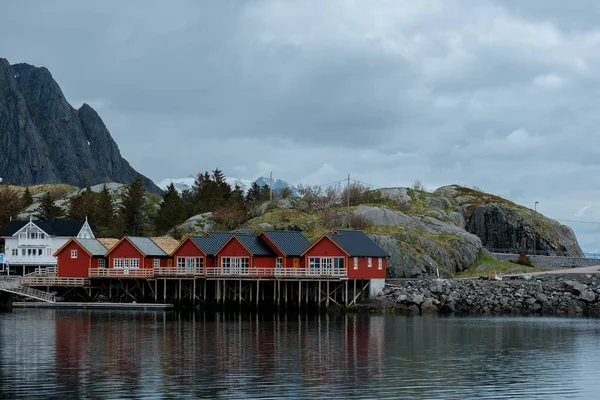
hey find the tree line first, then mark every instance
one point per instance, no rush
(135, 213)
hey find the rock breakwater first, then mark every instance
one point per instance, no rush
(550, 295)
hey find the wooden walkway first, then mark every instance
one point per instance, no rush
(95, 306)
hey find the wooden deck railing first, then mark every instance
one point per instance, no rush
(120, 273)
(53, 281)
(277, 273)
(178, 271)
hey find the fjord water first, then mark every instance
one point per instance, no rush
(108, 354)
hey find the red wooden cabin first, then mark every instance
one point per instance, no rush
(134, 252)
(76, 256)
(199, 251)
(288, 246)
(350, 251)
(246, 254)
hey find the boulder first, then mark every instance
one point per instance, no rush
(198, 223)
(588, 296)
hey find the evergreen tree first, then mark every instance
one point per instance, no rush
(133, 208)
(223, 190)
(253, 197)
(47, 209)
(10, 205)
(83, 205)
(187, 203)
(170, 211)
(104, 221)
(237, 196)
(27, 198)
(265, 193)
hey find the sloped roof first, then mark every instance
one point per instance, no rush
(93, 246)
(255, 244)
(146, 246)
(212, 243)
(292, 243)
(57, 227)
(108, 242)
(167, 244)
(357, 244)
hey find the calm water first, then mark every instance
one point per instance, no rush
(81, 354)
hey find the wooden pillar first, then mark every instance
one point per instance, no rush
(217, 291)
(258, 291)
(204, 288)
(194, 294)
(155, 290)
(299, 294)
(327, 299)
(319, 290)
(285, 294)
(240, 294)
(346, 296)
(306, 295)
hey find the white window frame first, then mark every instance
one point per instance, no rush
(73, 253)
(156, 263)
(199, 263)
(118, 263)
(370, 262)
(279, 262)
(355, 262)
(380, 263)
(134, 263)
(15, 252)
(101, 263)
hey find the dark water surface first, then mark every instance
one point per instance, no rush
(108, 354)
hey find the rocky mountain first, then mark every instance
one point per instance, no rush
(45, 140)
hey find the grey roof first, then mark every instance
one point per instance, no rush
(94, 247)
(147, 246)
(292, 243)
(212, 243)
(357, 244)
(57, 227)
(255, 244)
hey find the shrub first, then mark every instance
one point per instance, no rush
(523, 259)
(230, 217)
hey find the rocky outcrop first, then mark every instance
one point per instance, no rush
(501, 224)
(45, 140)
(197, 224)
(576, 294)
(421, 246)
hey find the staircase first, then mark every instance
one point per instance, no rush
(13, 285)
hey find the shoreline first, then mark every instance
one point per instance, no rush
(562, 294)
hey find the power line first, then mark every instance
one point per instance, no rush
(579, 222)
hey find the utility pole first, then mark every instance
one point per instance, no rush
(534, 226)
(348, 199)
(271, 187)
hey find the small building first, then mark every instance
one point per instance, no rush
(77, 256)
(135, 253)
(29, 244)
(195, 253)
(242, 252)
(352, 252)
(288, 245)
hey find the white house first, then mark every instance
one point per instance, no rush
(30, 244)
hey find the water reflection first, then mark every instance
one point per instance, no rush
(105, 354)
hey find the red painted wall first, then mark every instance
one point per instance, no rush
(164, 262)
(264, 262)
(125, 250)
(324, 248)
(189, 249)
(363, 271)
(235, 249)
(68, 267)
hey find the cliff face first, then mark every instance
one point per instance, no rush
(44, 140)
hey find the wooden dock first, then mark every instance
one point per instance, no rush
(95, 306)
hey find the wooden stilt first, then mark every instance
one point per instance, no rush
(299, 294)
(194, 296)
(319, 293)
(204, 288)
(155, 290)
(240, 295)
(257, 291)
(328, 295)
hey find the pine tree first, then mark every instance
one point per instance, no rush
(187, 203)
(104, 221)
(133, 208)
(265, 193)
(47, 209)
(27, 198)
(253, 196)
(83, 205)
(10, 205)
(170, 211)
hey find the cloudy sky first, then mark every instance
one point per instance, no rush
(502, 95)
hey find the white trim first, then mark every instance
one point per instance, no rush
(32, 224)
(370, 262)
(73, 253)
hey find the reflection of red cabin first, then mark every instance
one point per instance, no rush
(76, 256)
(353, 250)
(288, 245)
(200, 247)
(132, 252)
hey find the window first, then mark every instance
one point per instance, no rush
(40, 252)
(370, 262)
(200, 262)
(156, 263)
(101, 263)
(15, 252)
(42, 236)
(326, 264)
(23, 252)
(379, 263)
(73, 253)
(338, 263)
(48, 252)
(134, 263)
(29, 252)
(355, 262)
(225, 264)
(314, 265)
(279, 263)
(234, 265)
(181, 262)
(118, 263)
